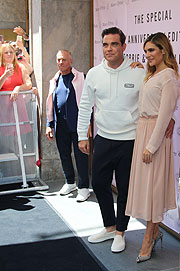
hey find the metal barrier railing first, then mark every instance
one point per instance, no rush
(19, 149)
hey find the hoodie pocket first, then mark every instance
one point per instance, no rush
(114, 122)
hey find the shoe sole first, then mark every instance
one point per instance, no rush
(101, 240)
(117, 251)
(64, 194)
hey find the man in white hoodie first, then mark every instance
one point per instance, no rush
(114, 87)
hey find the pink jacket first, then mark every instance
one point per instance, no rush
(78, 82)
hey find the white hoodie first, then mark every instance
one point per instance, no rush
(115, 93)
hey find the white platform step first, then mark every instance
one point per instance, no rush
(8, 157)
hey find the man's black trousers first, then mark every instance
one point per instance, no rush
(64, 139)
(112, 156)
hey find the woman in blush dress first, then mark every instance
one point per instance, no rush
(152, 186)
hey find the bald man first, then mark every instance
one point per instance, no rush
(62, 113)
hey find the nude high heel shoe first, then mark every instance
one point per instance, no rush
(140, 259)
(159, 237)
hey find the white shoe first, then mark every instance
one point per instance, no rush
(118, 244)
(67, 188)
(101, 236)
(83, 194)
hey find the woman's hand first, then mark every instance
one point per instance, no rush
(137, 64)
(14, 94)
(9, 70)
(147, 156)
(35, 91)
(170, 129)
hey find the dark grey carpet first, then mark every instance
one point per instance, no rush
(33, 237)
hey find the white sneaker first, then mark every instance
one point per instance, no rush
(118, 244)
(83, 194)
(101, 236)
(67, 188)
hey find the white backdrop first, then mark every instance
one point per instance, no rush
(138, 19)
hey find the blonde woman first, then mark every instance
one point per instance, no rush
(13, 77)
(152, 187)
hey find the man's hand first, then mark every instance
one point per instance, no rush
(147, 156)
(84, 146)
(50, 133)
(19, 44)
(170, 129)
(19, 31)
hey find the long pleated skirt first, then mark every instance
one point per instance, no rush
(152, 186)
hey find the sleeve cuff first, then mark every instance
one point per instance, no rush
(80, 138)
(151, 149)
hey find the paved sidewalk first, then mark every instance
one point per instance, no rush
(84, 219)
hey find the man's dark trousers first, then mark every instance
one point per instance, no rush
(112, 156)
(64, 139)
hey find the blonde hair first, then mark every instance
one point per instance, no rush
(2, 49)
(162, 42)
